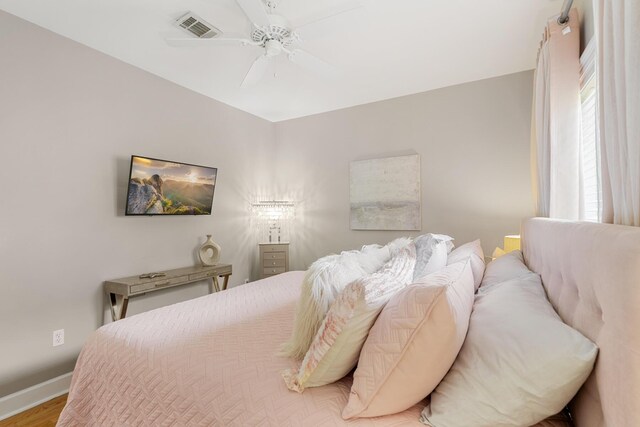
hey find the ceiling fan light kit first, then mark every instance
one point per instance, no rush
(273, 48)
(274, 33)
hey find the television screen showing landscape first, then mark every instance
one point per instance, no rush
(160, 187)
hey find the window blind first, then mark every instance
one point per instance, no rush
(589, 148)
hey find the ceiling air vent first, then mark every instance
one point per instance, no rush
(197, 26)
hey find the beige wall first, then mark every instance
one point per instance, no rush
(474, 144)
(70, 117)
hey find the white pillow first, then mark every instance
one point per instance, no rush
(336, 347)
(324, 280)
(431, 253)
(519, 363)
(506, 267)
(474, 251)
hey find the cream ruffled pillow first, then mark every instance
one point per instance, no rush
(336, 347)
(324, 280)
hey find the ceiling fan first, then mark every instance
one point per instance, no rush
(274, 34)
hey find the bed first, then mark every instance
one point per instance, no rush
(591, 273)
(212, 361)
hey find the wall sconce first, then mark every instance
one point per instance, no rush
(274, 220)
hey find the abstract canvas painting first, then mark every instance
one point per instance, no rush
(385, 194)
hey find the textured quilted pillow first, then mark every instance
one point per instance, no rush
(431, 253)
(518, 365)
(324, 280)
(413, 343)
(474, 251)
(336, 347)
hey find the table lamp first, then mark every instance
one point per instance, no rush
(511, 243)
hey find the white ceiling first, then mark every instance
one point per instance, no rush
(383, 50)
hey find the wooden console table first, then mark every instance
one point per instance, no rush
(120, 290)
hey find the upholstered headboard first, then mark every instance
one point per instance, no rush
(592, 276)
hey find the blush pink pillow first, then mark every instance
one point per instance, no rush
(413, 343)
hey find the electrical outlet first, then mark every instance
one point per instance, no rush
(58, 337)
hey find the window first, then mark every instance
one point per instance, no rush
(589, 147)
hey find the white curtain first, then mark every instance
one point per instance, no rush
(555, 139)
(540, 135)
(618, 36)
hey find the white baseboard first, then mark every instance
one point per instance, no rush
(33, 396)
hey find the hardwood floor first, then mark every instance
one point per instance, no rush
(44, 415)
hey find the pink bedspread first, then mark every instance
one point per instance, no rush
(210, 361)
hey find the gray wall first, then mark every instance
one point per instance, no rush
(474, 144)
(70, 117)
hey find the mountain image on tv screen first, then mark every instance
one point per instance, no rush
(160, 187)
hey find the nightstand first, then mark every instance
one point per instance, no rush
(274, 259)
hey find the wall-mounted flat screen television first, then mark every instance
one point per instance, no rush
(162, 187)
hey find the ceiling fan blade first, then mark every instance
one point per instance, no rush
(193, 42)
(255, 11)
(343, 7)
(256, 72)
(312, 63)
